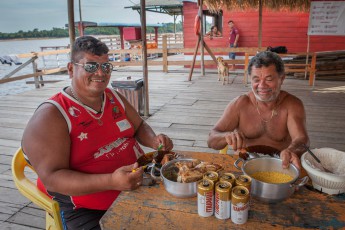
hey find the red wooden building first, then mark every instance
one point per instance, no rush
(283, 28)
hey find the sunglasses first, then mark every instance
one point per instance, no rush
(92, 67)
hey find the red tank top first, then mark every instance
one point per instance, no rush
(97, 148)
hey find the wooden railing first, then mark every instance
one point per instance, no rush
(164, 61)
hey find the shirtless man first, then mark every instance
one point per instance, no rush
(264, 116)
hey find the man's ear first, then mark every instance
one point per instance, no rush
(70, 69)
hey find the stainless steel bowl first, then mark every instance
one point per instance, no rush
(269, 192)
(168, 174)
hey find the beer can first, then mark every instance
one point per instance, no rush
(229, 177)
(205, 198)
(222, 201)
(244, 180)
(239, 204)
(212, 176)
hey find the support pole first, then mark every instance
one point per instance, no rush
(307, 58)
(194, 57)
(260, 24)
(144, 57)
(201, 38)
(71, 27)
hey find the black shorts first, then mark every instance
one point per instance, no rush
(82, 219)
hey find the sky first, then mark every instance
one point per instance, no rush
(27, 15)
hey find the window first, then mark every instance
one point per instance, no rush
(212, 19)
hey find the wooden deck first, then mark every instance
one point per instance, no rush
(184, 110)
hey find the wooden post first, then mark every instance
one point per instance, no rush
(156, 36)
(165, 53)
(71, 27)
(201, 38)
(121, 38)
(246, 62)
(194, 57)
(307, 58)
(34, 69)
(144, 57)
(260, 24)
(312, 70)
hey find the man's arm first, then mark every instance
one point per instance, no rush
(224, 132)
(296, 124)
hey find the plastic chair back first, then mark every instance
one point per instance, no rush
(29, 189)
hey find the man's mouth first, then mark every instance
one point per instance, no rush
(97, 80)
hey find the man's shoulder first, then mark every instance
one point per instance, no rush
(241, 100)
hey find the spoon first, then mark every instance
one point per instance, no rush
(316, 158)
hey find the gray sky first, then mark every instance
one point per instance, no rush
(27, 15)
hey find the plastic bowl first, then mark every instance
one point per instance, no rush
(333, 160)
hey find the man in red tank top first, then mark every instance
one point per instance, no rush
(84, 141)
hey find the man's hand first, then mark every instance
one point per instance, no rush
(163, 140)
(125, 179)
(288, 157)
(236, 140)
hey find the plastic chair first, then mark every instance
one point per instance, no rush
(225, 150)
(29, 189)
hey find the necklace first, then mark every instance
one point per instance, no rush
(273, 113)
(98, 119)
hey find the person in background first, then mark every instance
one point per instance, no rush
(233, 40)
(84, 141)
(213, 33)
(266, 115)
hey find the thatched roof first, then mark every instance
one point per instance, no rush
(296, 5)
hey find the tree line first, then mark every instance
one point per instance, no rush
(63, 32)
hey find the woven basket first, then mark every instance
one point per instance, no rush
(331, 159)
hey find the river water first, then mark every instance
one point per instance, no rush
(26, 46)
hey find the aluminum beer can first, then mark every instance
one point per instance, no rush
(239, 204)
(212, 176)
(229, 177)
(205, 198)
(244, 180)
(222, 204)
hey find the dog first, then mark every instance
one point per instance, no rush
(223, 70)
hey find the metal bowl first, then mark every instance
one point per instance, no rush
(168, 174)
(270, 192)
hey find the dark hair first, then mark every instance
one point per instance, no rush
(230, 21)
(267, 58)
(88, 44)
(212, 27)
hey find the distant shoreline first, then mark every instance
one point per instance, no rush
(25, 39)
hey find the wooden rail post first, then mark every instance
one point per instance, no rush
(246, 62)
(312, 70)
(34, 69)
(165, 53)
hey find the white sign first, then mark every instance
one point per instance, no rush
(327, 18)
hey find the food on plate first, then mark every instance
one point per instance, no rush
(272, 177)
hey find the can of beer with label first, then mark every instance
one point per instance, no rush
(212, 176)
(222, 203)
(205, 198)
(239, 204)
(244, 180)
(229, 177)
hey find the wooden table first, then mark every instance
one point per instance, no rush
(154, 208)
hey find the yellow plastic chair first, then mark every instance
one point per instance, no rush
(225, 150)
(29, 189)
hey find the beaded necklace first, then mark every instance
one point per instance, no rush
(98, 119)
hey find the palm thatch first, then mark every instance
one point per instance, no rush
(277, 5)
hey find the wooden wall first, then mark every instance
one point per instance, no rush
(278, 28)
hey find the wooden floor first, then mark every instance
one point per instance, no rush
(184, 110)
